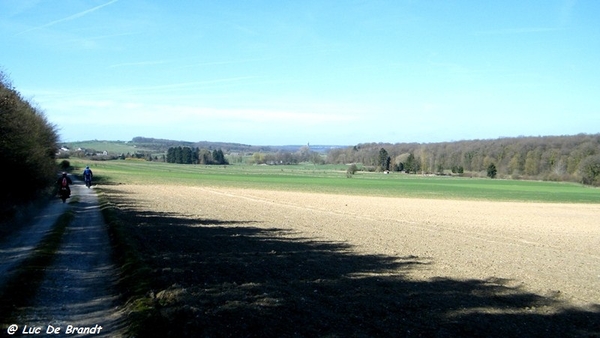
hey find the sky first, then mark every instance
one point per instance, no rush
(298, 72)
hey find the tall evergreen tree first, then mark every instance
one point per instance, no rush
(383, 160)
(219, 157)
(412, 164)
(186, 155)
(491, 170)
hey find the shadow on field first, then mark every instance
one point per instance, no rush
(217, 278)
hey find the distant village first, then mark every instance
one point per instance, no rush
(64, 152)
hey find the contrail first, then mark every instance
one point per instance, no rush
(74, 16)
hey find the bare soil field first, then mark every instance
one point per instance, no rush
(240, 262)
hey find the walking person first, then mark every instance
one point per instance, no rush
(87, 176)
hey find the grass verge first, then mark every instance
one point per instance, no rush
(21, 287)
(134, 275)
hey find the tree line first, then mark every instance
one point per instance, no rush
(27, 148)
(556, 158)
(162, 145)
(304, 154)
(191, 155)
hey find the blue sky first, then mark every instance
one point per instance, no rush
(292, 72)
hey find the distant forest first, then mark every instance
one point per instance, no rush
(555, 158)
(162, 145)
(573, 158)
(188, 155)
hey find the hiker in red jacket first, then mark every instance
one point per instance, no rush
(64, 182)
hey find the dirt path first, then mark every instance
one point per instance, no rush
(19, 245)
(78, 289)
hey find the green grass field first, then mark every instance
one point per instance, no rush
(332, 179)
(116, 147)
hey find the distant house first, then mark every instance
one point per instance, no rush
(62, 151)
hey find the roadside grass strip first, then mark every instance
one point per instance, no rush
(134, 275)
(24, 282)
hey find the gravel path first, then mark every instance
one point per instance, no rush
(19, 245)
(78, 289)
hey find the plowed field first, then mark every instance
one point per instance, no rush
(314, 263)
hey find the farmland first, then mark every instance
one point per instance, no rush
(305, 251)
(332, 179)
